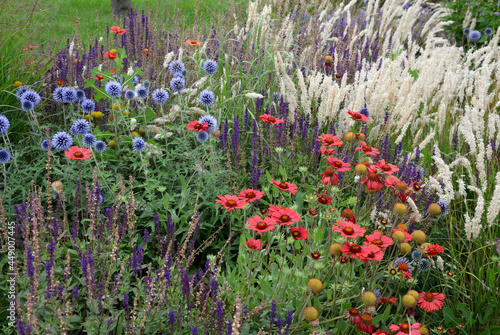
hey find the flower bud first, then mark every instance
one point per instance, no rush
(418, 236)
(311, 313)
(334, 249)
(400, 208)
(315, 285)
(409, 301)
(350, 137)
(434, 209)
(369, 298)
(405, 248)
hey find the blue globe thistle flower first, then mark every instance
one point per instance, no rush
(32, 96)
(88, 106)
(212, 122)
(113, 88)
(45, 145)
(147, 83)
(466, 31)
(445, 207)
(364, 111)
(69, 95)
(202, 136)
(179, 75)
(424, 265)
(4, 156)
(474, 35)
(4, 124)
(138, 144)
(130, 95)
(210, 66)
(80, 95)
(80, 127)
(27, 105)
(207, 97)
(160, 96)
(177, 67)
(142, 92)
(89, 140)
(416, 255)
(135, 80)
(100, 146)
(58, 95)
(62, 141)
(403, 260)
(20, 91)
(177, 83)
(488, 31)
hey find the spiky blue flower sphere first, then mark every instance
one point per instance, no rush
(45, 145)
(416, 255)
(58, 95)
(212, 122)
(32, 96)
(424, 265)
(445, 207)
(488, 31)
(27, 105)
(88, 106)
(69, 95)
(474, 35)
(466, 31)
(89, 140)
(80, 127)
(138, 144)
(130, 95)
(100, 146)
(177, 67)
(80, 95)
(142, 92)
(202, 136)
(177, 83)
(4, 156)
(20, 91)
(207, 97)
(160, 96)
(4, 124)
(62, 141)
(364, 111)
(113, 88)
(210, 66)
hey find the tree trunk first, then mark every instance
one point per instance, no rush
(121, 7)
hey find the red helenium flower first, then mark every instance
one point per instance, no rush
(373, 182)
(78, 154)
(354, 250)
(261, 225)
(250, 195)
(110, 55)
(339, 165)
(324, 199)
(118, 30)
(431, 302)
(330, 140)
(434, 249)
(230, 202)
(284, 186)
(271, 119)
(195, 125)
(386, 167)
(329, 177)
(404, 328)
(367, 149)
(348, 229)
(365, 324)
(327, 151)
(374, 253)
(379, 240)
(283, 215)
(254, 244)
(357, 116)
(298, 233)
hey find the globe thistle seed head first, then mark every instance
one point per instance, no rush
(212, 122)
(113, 89)
(160, 96)
(89, 140)
(100, 146)
(27, 105)
(202, 136)
(177, 83)
(88, 106)
(416, 255)
(146, 84)
(45, 145)
(138, 144)
(130, 95)
(424, 265)
(474, 35)
(32, 96)
(80, 127)
(58, 95)
(61, 141)
(177, 67)
(488, 31)
(80, 95)
(210, 66)
(69, 95)
(4, 156)
(207, 98)
(466, 31)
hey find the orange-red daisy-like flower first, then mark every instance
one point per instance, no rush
(415, 186)
(330, 140)
(379, 240)
(261, 225)
(327, 151)
(230, 202)
(434, 249)
(285, 186)
(312, 212)
(339, 165)
(250, 195)
(110, 55)
(298, 233)
(354, 250)
(195, 125)
(381, 332)
(60, 82)
(431, 302)
(390, 181)
(99, 77)
(283, 215)
(348, 229)
(271, 119)
(367, 149)
(365, 324)
(404, 328)
(386, 167)
(78, 154)
(373, 182)
(324, 199)
(354, 315)
(357, 116)
(329, 177)
(407, 236)
(254, 244)
(118, 30)
(374, 253)
(193, 43)
(145, 52)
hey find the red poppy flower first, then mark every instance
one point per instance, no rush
(431, 302)
(327, 151)
(254, 244)
(392, 300)
(367, 149)
(354, 250)
(271, 119)
(230, 202)
(118, 30)
(434, 249)
(348, 229)
(261, 225)
(339, 165)
(386, 167)
(298, 233)
(373, 182)
(404, 328)
(284, 186)
(324, 199)
(78, 154)
(379, 240)
(330, 140)
(329, 177)
(374, 253)
(365, 324)
(110, 55)
(283, 215)
(354, 315)
(193, 43)
(250, 195)
(357, 116)
(198, 126)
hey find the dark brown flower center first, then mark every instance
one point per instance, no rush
(78, 154)
(357, 116)
(386, 167)
(329, 172)
(429, 297)
(372, 176)
(404, 327)
(250, 195)
(366, 148)
(347, 213)
(262, 225)
(283, 185)
(198, 126)
(296, 233)
(337, 164)
(271, 119)
(366, 319)
(383, 222)
(323, 200)
(348, 231)
(231, 203)
(316, 255)
(431, 250)
(354, 248)
(371, 254)
(285, 218)
(329, 140)
(416, 187)
(353, 312)
(377, 242)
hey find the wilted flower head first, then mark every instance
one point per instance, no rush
(207, 97)
(88, 106)
(80, 127)
(62, 141)
(210, 66)
(89, 140)
(466, 31)
(27, 105)
(4, 124)
(212, 122)
(160, 96)
(113, 88)
(177, 83)
(138, 144)
(474, 35)
(4, 156)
